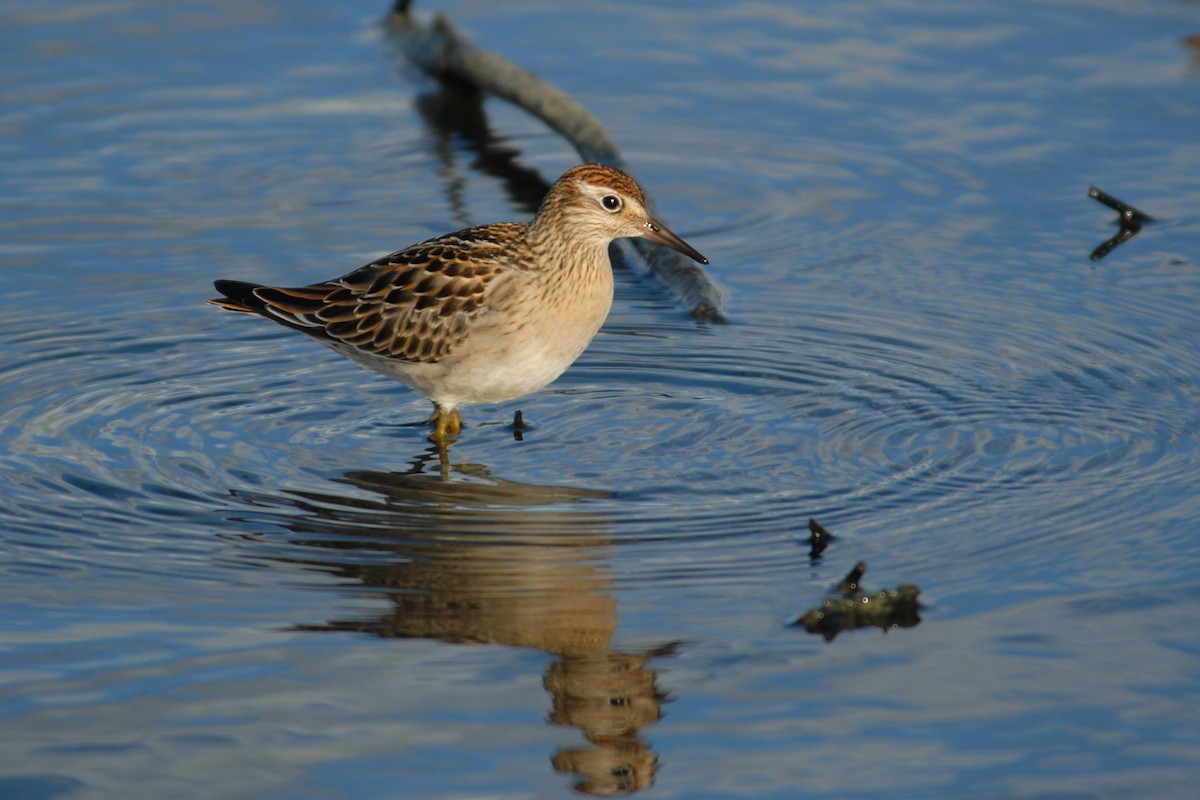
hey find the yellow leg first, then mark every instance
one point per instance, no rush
(446, 425)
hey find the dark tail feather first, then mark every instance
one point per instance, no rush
(239, 296)
(296, 308)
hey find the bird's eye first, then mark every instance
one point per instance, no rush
(611, 202)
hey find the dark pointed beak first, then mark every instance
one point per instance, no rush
(657, 232)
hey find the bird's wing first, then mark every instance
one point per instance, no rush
(415, 304)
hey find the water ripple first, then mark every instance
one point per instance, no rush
(944, 405)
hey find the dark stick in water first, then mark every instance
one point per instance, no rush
(1130, 221)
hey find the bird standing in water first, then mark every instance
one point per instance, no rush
(482, 315)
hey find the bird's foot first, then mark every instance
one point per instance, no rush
(446, 425)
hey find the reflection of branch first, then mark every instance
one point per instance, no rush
(454, 114)
(1130, 220)
(441, 52)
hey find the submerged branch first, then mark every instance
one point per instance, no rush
(438, 50)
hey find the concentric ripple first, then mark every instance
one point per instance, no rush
(908, 414)
(900, 412)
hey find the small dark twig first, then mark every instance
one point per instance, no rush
(1128, 213)
(1130, 221)
(818, 539)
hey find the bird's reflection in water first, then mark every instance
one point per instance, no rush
(610, 697)
(482, 560)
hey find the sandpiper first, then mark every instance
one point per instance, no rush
(484, 314)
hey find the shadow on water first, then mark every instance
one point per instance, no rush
(466, 558)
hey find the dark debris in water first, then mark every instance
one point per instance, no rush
(1129, 219)
(818, 539)
(852, 607)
